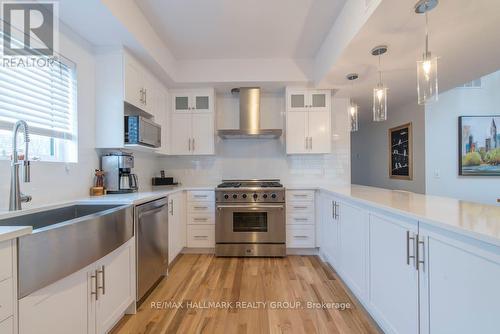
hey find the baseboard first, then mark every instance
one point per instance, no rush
(302, 251)
(187, 250)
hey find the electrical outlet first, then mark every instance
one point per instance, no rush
(437, 173)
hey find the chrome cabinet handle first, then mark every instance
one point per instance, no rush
(103, 279)
(300, 207)
(94, 277)
(171, 207)
(200, 207)
(201, 237)
(408, 256)
(310, 143)
(189, 144)
(193, 145)
(299, 195)
(333, 210)
(419, 262)
(200, 219)
(200, 196)
(300, 219)
(300, 236)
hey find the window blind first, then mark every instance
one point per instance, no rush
(44, 97)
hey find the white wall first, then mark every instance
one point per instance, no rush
(441, 122)
(55, 182)
(369, 150)
(251, 158)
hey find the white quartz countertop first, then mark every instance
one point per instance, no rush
(475, 220)
(471, 219)
(12, 232)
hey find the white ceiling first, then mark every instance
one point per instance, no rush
(464, 35)
(225, 29)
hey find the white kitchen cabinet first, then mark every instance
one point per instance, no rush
(176, 225)
(300, 236)
(393, 279)
(308, 100)
(300, 219)
(192, 125)
(201, 219)
(115, 286)
(319, 132)
(197, 100)
(297, 133)
(353, 246)
(8, 287)
(308, 122)
(180, 134)
(202, 133)
(329, 230)
(125, 87)
(459, 284)
(91, 300)
(60, 308)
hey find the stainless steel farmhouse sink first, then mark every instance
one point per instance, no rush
(67, 239)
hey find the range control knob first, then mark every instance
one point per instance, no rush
(235, 196)
(273, 196)
(244, 195)
(265, 195)
(255, 196)
(226, 196)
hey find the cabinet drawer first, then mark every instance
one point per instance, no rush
(201, 218)
(299, 207)
(300, 236)
(201, 207)
(7, 326)
(201, 196)
(306, 218)
(6, 299)
(299, 195)
(201, 236)
(5, 259)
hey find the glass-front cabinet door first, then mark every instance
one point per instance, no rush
(298, 101)
(319, 100)
(201, 102)
(181, 102)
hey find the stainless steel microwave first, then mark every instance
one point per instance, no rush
(142, 131)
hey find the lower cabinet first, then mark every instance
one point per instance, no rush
(353, 243)
(459, 285)
(392, 276)
(200, 219)
(176, 225)
(412, 277)
(91, 300)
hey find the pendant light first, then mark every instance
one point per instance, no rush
(380, 91)
(427, 79)
(353, 107)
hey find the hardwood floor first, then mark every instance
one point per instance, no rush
(175, 306)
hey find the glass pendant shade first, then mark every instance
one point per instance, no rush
(380, 103)
(353, 116)
(427, 79)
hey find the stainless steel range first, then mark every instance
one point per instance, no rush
(250, 218)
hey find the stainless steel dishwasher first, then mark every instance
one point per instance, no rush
(152, 245)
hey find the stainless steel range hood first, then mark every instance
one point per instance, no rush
(249, 118)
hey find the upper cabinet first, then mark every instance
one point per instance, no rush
(308, 121)
(124, 86)
(189, 101)
(192, 129)
(308, 100)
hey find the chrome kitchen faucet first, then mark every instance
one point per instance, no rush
(16, 197)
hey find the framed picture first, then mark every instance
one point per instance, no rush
(479, 145)
(401, 152)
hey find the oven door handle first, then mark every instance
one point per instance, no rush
(260, 206)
